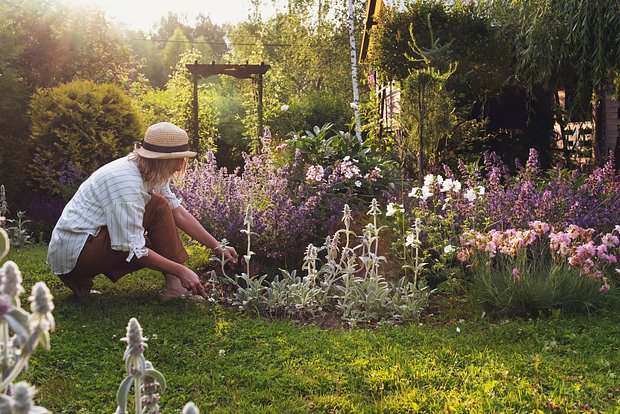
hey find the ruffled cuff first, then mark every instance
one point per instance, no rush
(137, 249)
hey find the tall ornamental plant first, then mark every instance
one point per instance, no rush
(146, 381)
(540, 269)
(20, 333)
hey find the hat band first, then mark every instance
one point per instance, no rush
(168, 150)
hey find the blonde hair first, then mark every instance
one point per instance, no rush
(156, 172)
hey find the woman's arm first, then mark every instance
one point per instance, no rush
(188, 278)
(188, 223)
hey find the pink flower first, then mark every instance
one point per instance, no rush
(540, 227)
(610, 240)
(516, 274)
(605, 287)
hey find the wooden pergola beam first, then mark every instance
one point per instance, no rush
(237, 71)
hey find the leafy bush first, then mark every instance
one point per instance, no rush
(308, 110)
(76, 128)
(337, 162)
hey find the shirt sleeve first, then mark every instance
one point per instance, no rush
(166, 192)
(124, 221)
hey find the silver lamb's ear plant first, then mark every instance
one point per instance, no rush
(4, 243)
(248, 221)
(28, 331)
(4, 208)
(222, 260)
(140, 374)
(190, 408)
(413, 240)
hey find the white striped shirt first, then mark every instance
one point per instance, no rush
(114, 196)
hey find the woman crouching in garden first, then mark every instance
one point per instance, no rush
(124, 217)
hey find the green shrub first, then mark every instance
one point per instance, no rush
(309, 110)
(76, 128)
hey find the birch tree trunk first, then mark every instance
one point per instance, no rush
(356, 94)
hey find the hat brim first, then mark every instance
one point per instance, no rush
(164, 155)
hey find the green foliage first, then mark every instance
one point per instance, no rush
(308, 110)
(175, 104)
(177, 46)
(423, 89)
(306, 46)
(18, 232)
(229, 362)
(76, 128)
(473, 38)
(342, 162)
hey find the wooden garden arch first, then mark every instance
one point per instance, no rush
(246, 71)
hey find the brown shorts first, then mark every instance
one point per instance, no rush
(97, 257)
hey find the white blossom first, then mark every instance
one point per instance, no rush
(393, 208)
(470, 195)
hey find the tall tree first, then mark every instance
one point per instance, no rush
(570, 44)
(177, 45)
(356, 93)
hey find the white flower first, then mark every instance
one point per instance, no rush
(410, 240)
(448, 249)
(135, 341)
(428, 179)
(393, 208)
(348, 168)
(422, 193)
(480, 190)
(426, 193)
(450, 185)
(284, 108)
(354, 105)
(458, 330)
(415, 192)
(470, 195)
(222, 352)
(358, 183)
(11, 280)
(41, 305)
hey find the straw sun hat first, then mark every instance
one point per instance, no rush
(164, 140)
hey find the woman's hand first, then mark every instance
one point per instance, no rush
(229, 253)
(191, 281)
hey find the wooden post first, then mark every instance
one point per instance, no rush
(260, 106)
(195, 112)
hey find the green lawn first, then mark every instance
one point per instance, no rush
(227, 362)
